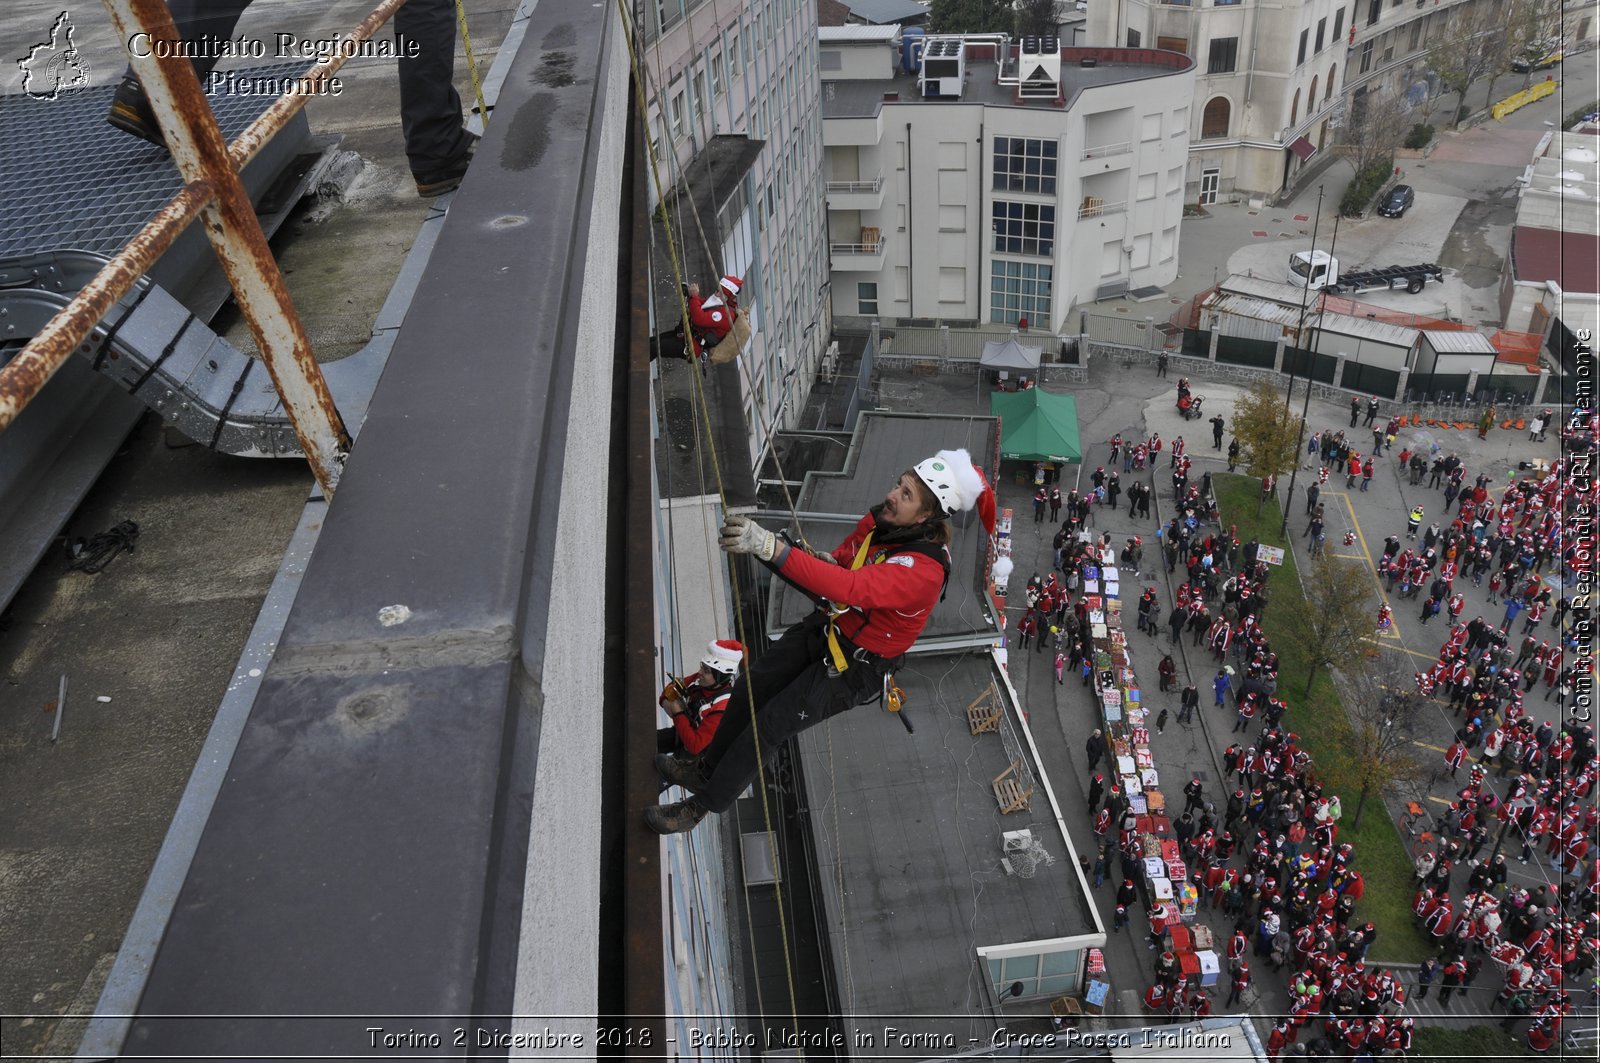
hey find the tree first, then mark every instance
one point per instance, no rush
(1036, 18)
(1382, 721)
(1378, 123)
(1534, 29)
(1472, 46)
(969, 16)
(1268, 433)
(1338, 615)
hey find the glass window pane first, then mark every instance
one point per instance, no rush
(1015, 967)
(1064, 962)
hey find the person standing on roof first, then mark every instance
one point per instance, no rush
(882, 583)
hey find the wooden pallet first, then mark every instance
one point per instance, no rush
(1008, 792)
(984, 713)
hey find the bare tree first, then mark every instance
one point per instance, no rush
(1036, 18)
(1338, 617)
(1382, 719)
(969, 16)
(1378, 123)
(1471, 48)
(1535, 28)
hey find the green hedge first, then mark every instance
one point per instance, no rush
(1324, 731)
(1365, 186)
(1420, 135)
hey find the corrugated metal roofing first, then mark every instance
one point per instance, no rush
(1259, 309)
(827, 34)
(1458, 342)
(1368, 329)
(1262, 288)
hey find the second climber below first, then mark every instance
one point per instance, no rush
(882, 581)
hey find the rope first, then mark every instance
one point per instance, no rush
(472, 64)
(716, 468)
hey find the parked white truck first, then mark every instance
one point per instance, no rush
(1319, 271)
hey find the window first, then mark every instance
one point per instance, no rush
(1294, 109)
(1019, 289)
(1366, 57)
(1224, 55)
(1322, 26)
(1024, 228)
(1311, 97)
(1025, 165)
(1133, 38)
(1173, 44)
(1374, 12)
(1338, 24)
(1331, 70)
(867, 298)
(1214, 120)
(699, 94)
(1416, 34)
(677, 115)
(832, 59)
(714, 65)
(730, 48)
(1305, 36)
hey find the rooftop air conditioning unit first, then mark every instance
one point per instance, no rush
(944, 68)
(1039, 69)
(1015, 841)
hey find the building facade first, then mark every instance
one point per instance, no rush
(748, 69)
(1277, 82)
(1008, 189)
(713, 71)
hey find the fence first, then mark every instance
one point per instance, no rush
(861, 388)
(1122, 330)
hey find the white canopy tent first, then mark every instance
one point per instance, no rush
(1009, 354)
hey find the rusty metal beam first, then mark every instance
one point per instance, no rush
(23, 377)
(249, 143)
(230, 225)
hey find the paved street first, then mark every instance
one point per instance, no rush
(1061, 715)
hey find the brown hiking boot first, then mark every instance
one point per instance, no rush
(675, 818)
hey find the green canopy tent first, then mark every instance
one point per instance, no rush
(1036, 425)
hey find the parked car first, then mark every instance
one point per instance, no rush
(1398, 200)
(1543, 61)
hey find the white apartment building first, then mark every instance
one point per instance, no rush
(1005, 180)
(1268, 77)
(748, 68)
(1275, 81)
(731, 91)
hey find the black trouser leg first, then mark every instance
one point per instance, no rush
(430, 107)
(809, 697)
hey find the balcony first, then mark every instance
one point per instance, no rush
(855, 195)
(1105, 151)
(865, 257)
(1095, 207)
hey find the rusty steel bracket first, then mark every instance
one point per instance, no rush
(230, 225)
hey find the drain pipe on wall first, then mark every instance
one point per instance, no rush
(911, 229)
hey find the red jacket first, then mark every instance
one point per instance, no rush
(890, 596)
(711, 317)
(696, 727)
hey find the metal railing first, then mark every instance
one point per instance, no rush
(858, 249)
(212, 188)
(855, 187)
(1100, 210)
(1122, 147)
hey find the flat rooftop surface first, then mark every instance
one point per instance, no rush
(886, 445)
(863, 98)
(908, 842)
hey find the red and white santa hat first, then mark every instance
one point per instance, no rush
(724, 656)
(958, 484)
(731, 284)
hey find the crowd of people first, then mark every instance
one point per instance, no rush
(1272, 862)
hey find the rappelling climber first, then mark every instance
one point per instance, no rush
(881, 584)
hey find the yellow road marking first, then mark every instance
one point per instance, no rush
(1405, 649)
(1424, 745)
(1437, 800)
